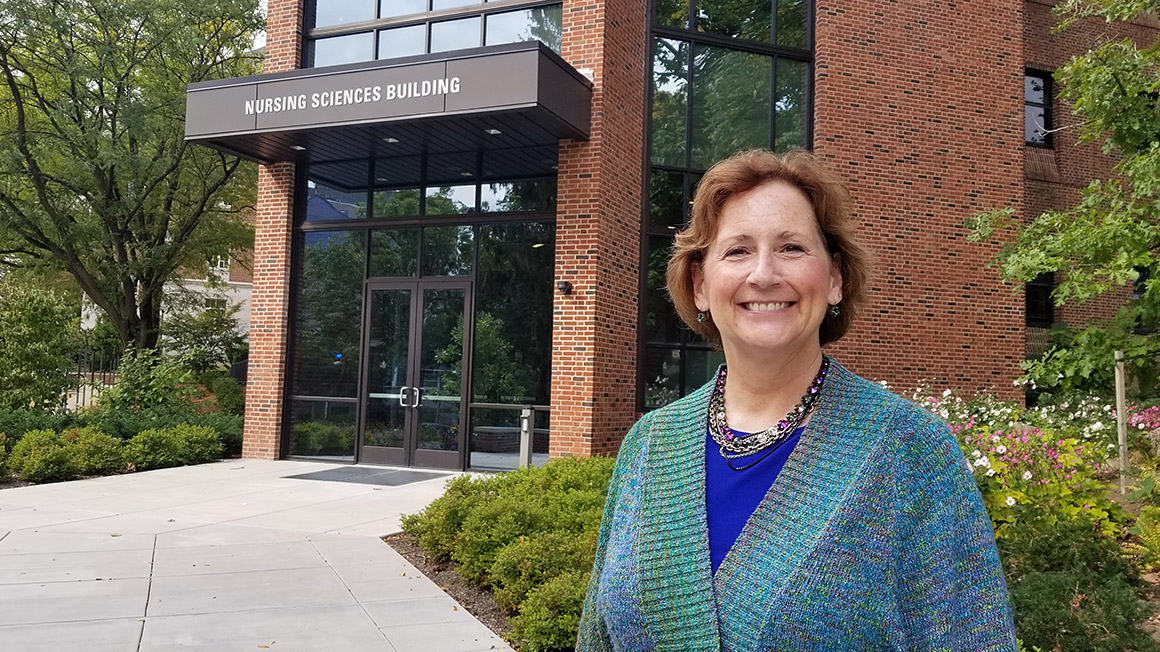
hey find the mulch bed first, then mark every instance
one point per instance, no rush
(475, 600)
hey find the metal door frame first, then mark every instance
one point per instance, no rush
(412, 455)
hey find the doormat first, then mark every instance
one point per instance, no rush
(370, 475)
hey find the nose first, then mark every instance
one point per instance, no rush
(766, 271)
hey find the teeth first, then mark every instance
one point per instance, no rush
(763, 307)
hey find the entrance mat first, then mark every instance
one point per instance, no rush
(370, 475)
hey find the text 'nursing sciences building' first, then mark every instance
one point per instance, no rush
(465, 208)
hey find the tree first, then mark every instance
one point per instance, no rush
(95, 175)
(1111, 237)
(38, 334)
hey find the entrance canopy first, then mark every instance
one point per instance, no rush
(483, 113)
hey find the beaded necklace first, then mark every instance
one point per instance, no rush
(733, 447)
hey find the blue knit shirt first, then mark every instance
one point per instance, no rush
(732, 496)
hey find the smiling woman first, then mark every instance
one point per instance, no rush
(738, 514)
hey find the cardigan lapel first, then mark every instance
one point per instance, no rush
(791, 519)
(677, 598)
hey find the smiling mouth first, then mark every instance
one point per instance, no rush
(766, 307)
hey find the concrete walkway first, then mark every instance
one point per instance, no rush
(232, 556)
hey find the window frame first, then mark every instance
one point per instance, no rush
(1048, 115)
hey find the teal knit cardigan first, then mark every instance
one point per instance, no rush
(873, 537)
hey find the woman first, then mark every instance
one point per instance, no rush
(788, 504)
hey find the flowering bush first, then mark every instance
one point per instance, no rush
(1146, 419)
(1032, 475)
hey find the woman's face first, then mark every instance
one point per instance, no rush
(767, 279)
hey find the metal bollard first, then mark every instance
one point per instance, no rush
(525, 437)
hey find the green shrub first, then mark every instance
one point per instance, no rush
(42, 456)
(17, 422)
(153, 449)
(321, 438)
(534, 560)
(197, 444)
(230, 397)
(228, 427)
(3, 456)
(146, 380)
(1071, 589)
(93, 452)
(40, 333)
(529, 535)
(550, 616)
(124, 424)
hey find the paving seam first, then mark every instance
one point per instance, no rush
(5, 536)
(390, 646)
(148, 594)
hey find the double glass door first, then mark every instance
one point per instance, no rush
(413, 409)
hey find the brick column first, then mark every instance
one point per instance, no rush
(273, 228)
(594, 350)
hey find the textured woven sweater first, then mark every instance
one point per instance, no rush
(873, 537)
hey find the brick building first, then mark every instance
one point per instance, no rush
(465, 208)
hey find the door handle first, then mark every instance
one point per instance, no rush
(417, 396)
(403, 392)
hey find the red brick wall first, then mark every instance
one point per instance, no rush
(920, 106)
(598, 232)
(272, 238)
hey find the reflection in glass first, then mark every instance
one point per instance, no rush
(447, 250)
(402, 41)
(394, 252)
(388, 346)
(670, 101)
(700, 365)
(537, 195)
(326, 204)
(455, 34)
(322, 428)
(337, 50)
(341, 12)
(661, 321)
(662, 377)
(396, 203)
(326, 351)
(495, 438)
(391, 8)
(731, 103)
(441, 369)
(672, 13)
(450, 200)
(790, 106)
(544, 24)
(1034, 89)
(666, 205)
(747, 19)
(513, 313)
(791, 23)
(1034, 121)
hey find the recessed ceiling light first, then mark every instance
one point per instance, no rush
(465, 174)
(382, 179)
(390, 140)
(537, 245)
(298, 148)
(492, 132)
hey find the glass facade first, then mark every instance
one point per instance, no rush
(497, 239)
(349, 31)
(726, 76)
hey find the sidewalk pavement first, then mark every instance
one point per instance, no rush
(232, 556)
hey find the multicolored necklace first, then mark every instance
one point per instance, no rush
(734, 447)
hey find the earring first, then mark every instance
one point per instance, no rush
(835, 310)
(700, 318)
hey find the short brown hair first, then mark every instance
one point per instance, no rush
(745, 171)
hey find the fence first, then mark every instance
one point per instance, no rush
(93, 369)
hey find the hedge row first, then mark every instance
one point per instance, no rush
(51, 456)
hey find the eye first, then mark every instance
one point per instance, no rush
(734, 251)
(793, 248)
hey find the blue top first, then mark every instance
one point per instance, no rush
(731, 496)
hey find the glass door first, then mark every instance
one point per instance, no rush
(414, 405)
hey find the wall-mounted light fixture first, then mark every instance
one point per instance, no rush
(564, 287)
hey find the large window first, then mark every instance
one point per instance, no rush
(726, 76)
(1040, 308)
(349, 31)
(1037, 108)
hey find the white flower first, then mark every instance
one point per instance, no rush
(1098, 425)
(1000, 449)
(1010, 501)
(995, 438)
(976, 453)
(1027, 475)
(990, 472)
(946, 393)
